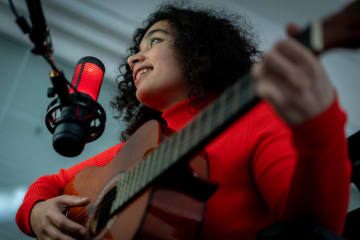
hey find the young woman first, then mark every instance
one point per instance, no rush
(286, 157)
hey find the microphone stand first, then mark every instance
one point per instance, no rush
(40, 36)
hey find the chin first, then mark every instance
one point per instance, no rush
(149, 100)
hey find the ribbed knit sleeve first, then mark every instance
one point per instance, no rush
(323, 171)
(51, 186)
(307, 172)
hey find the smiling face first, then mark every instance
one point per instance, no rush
(157, 72)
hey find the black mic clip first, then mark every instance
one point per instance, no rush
(74, 118)
(74, 122)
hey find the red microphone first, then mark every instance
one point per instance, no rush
(88, 76)
(75, 118)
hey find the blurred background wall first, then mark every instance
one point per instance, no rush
(103, 29)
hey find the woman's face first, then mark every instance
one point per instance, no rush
(157, 72)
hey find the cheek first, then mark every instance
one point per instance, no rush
(165, 82)
(172, 69)
(171, 79)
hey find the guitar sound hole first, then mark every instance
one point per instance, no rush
(102, 213)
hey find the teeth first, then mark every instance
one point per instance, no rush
(142, 72)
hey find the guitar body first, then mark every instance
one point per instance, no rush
(161, 211)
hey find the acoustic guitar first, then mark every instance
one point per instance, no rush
(139, 195)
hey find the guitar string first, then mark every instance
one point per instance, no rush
(109, 202)
(246, 77)
(110, 199)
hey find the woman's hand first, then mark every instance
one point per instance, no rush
(48, 221)
(292, 79)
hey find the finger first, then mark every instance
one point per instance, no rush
(280, 102)
(68, 226)
(284, 72)
(270, 86)
(66, 201)
(54, 233)
(292, 29)
(310, 73)
(297, 54)
(269, 91)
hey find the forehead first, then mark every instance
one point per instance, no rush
(163, 24)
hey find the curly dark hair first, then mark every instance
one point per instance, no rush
(215, 48)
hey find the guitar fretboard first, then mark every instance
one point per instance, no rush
(234, 102)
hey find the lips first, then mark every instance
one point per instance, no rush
(141, 71)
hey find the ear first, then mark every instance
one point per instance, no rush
(292, 29)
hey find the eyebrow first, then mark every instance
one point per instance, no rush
(149, 34)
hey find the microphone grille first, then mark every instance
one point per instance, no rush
(88, 76)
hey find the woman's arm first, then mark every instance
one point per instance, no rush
(315, 180)
(51, 186)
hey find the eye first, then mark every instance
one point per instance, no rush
(154, 41)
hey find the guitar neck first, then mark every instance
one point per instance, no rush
(233, 103)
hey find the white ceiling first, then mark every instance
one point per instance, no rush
(103, 29)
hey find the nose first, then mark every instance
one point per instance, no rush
(133, 59)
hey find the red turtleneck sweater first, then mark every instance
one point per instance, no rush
(266, 172)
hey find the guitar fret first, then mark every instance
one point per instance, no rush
(185, 141)
(121, 199)
(125, 191)
(156, 162)
(138, 175)
(145, 174)
(131, 183)
(140, 169)
(118, 197)
(150, 174)
(126, 186)
(222, 110)
(136, 180)
(168, 156)
(207, 119)
(161, 158)
(151, 167)
(180, 137)
(194, 131)
(175, 143)
(214, 110)
(190, 139)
